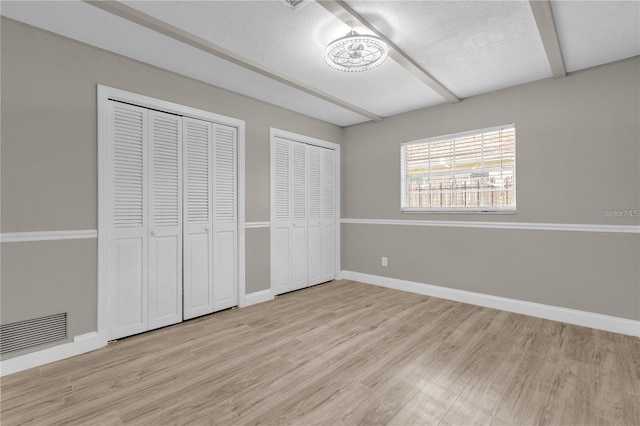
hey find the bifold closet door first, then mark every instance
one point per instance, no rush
(144, 197)
(303, 217)
(211, 224)
(328, 215)
(280, 215)
(321, 215)
(315, 246)
(298, 230)
(129, 220)
(289, 216)
(172, 218)
(198, 223)
(165, 234)
(225, 226)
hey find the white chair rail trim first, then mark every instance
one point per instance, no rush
(252, 225)
(534, 226)
(20, 237)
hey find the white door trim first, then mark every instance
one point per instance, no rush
(105, 94)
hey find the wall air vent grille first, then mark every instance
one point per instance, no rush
(33, 332)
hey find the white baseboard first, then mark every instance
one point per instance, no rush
(81, 344)
(258, 297)
(555, 313)
(86, 343)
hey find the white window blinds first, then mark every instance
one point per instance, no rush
(471, 171)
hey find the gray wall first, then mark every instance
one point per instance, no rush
(49, 164)
(578, 141)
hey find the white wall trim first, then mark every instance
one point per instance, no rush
(83, 343)
(258, 297)
(106, 92)
(624, 229)
(252, 225)
(20, 237)
(555, 313)
(295, 137)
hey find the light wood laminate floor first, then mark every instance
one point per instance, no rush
(342, 353)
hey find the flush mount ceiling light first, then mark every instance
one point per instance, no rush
(356, 52)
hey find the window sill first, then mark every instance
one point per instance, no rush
(460, 211)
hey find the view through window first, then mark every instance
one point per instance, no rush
(470, 171)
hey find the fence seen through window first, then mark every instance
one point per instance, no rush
(470, 171)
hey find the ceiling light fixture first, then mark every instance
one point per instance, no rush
(356, 52)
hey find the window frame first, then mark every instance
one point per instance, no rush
(464, 210)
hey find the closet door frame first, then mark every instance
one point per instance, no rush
(295, 137)
(106, 94)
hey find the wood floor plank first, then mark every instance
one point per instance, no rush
(419, 410)
(341, 353)
(490, 373)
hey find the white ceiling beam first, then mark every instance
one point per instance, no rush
(543, 16)
(350, 17)
(137, 17)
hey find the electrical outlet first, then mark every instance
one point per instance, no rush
(384, 261)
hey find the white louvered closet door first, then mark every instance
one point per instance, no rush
(198, 220)
(280, 215)
(171, 214)
(315, 245)
(303, 215)
(127, 298)
(225, 227)
(145, 274)
(299, 216)
(165, 233)
(328, 221)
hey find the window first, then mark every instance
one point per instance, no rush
(467, 172)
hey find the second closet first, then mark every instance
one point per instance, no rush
(303, 214)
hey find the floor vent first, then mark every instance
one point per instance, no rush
(34, 332)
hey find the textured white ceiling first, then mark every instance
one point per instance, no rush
(292, 43)
(597, 32)
(470, 46)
